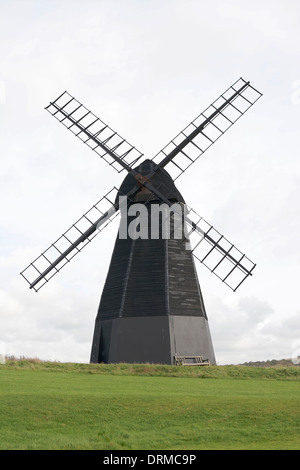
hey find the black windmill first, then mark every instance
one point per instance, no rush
(151, 308)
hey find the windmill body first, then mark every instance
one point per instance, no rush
(151, 308)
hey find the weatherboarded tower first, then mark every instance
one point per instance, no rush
(151, 308)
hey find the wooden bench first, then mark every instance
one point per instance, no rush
(191, 361)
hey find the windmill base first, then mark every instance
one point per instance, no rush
(155, 340)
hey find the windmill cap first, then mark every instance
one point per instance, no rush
(160, 180)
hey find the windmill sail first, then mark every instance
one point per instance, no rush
(71, 242)
(215, 252)
(211, 248)
(182, 151)
(107, 143)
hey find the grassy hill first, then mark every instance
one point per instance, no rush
(261, 370)
(271, 363)
(51, 405)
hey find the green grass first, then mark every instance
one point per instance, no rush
(82, 406)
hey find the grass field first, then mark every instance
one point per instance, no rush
(82, 406)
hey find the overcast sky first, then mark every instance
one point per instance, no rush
(147, 68)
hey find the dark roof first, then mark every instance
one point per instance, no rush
(160, 180)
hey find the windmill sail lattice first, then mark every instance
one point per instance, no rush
(184, 149)
(107, 143)
(71, 242)
(217, 253)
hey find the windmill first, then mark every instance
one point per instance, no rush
(151, 308)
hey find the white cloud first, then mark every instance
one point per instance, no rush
(262, 20)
